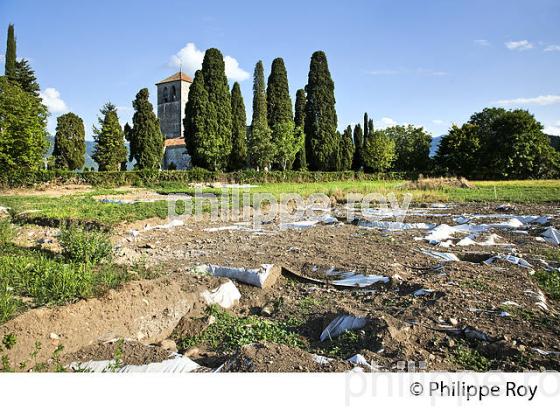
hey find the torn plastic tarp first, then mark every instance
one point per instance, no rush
(444, 256)
(178, 364)
(359, 360)
(511, 259)
(551, 235)
(393, 226)
(538, 298)
(171, 224)
(444, 232)
(325, 219)
(256, 277)
(489, 241)
(226, 295)
(341, 324)
(422, 292)
(342, 279)
(357, 280)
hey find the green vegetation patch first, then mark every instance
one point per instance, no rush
(229, 332)
(549, 282)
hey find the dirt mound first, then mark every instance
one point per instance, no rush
(426, 184)
(272, 357)
(146, 311)
(129, 352)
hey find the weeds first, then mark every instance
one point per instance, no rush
(81, 245)
(549, 282)
(6, 231)
(228, 333)
(470, 359)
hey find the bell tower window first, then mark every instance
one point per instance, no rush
(165, 95)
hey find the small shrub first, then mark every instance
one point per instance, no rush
(470, 359)
(80, 245)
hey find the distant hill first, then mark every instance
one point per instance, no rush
(435, 145)
(90, 147)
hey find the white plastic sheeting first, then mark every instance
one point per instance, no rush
(444, 232)
(538, 298)
(178, 364)
(422, 292)
(491, 240)
(394, 226)
(171, 224)
(444, 256)
(226, 295)
(551, 235)
(325, 219)
(256, 277)
(341, 324)
(511, 259)
(359, 360)
(357, 280)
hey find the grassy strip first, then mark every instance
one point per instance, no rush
(32, 277)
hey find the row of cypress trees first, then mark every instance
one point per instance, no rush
(215, 131)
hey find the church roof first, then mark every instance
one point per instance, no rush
(174, 142)
(176, 77)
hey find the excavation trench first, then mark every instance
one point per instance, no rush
(145, 311)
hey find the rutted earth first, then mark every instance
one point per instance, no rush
(429, 313)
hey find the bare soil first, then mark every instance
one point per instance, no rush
(433, 331)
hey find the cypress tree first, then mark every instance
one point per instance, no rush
(110, 150)
(238, 157)
(219, 98)
(261, 146)
(200, 127)
(10, 63)
(366, 126)
(346, 149)
(357, 161)
(23, 133)
(299, 120)
(320, 116)
(146, 139)
(280, 115)
(69, 142)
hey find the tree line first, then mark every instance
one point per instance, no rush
(494, 143)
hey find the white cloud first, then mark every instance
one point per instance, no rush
(51, 98)
(552, 47)
(389, 122)
(190, 58)
(438, 122)
(520, 45)
(482, 43)
(540, 100)
(552, 129)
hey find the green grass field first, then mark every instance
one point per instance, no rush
(85, 208)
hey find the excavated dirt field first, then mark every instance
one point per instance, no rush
(473, 316)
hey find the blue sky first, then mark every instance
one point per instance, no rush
(429, 63)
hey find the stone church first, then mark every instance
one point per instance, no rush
(172, 96)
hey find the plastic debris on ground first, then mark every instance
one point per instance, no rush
(394, 226)
(325, 220)
(257, 277)
(357, 280)
(475, 334)
(511, 259)
(178, 364)
(359, 360)
(226, 295)
(322, 360)
(422, 292)
(341, 324)
(172, 224)
(539, 298)
(444, 256)
(545, 352)
(491, 240)
(551, 235)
